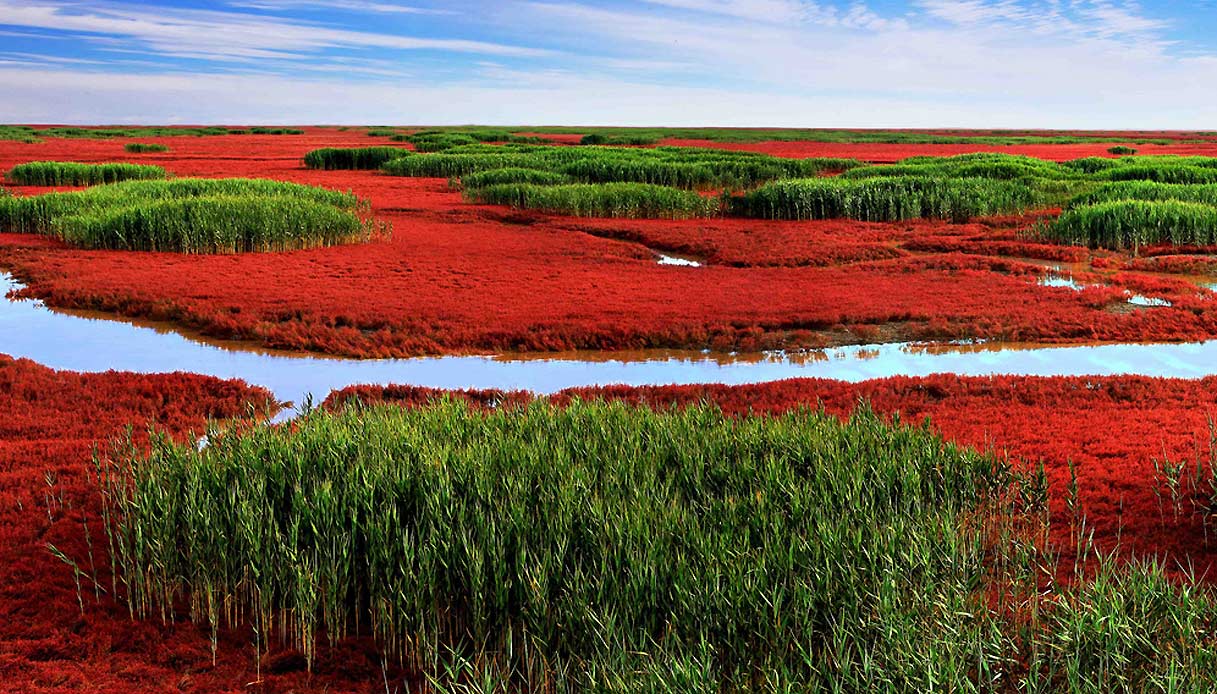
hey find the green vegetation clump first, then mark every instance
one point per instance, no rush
(436, 142)
(679, 167)
(493, 177)
(886, 199)
(440, 140)
(593, 543)
(1121, 150)
(380, 132)
(1134, 224)
(141, 147)
(1147, 190)
(194, 216)
(352, 157)
(214, 224)
(18, 133)
(637, 200)
(1162, 172)
(639, 140)
(606, 547)
(984, 165)
(448, 164)
(66, 173)
(108, 133)
(1093, 165)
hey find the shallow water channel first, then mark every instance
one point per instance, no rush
(65, 340)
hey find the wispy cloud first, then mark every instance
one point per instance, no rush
(1055, 63)
(786, 12)
(225, 35)
(364, 6)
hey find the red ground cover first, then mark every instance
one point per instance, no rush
(1112, 429)
(465, 278)
(52, 422)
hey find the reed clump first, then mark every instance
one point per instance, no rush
(214, 224)
(633, 200)
(195, 216)
(1135, 224)
(492, 177)
(610, 547)
(885, 199)
(1147, 190)
(66, 173)
(572, 547)
(142, 147)
(679, 167)
(331, 158)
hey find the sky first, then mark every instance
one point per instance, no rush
(794, 63)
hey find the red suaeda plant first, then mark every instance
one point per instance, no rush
(459, 278)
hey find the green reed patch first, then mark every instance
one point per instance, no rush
(66, 173)
(447, 164)
(1148, 190)
(638, 140)
(885, 199)
(634, 200)
(1134, 224)
(1162, 172)
(981, 165)
(194, 216)
(492, 177)
(1122, 150)
(679, 167)
(330, 158)
(18, 133)
(214, 224)
(574, 546)
(142, 147)
(607, 547)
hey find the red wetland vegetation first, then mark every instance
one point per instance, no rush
(564, 283)
(458, 278)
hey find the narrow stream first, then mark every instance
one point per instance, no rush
(62, 340)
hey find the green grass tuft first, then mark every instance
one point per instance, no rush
(1134, 224)
(352, 157)
(213, 224)
(194, 216)
(492, 177)
(886, 199)
(141, 147)
(635, 200)
(62, 173)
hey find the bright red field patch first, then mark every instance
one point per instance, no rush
(464, 278)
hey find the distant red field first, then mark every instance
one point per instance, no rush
(463, 278)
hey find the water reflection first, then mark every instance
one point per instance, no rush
(89, 343)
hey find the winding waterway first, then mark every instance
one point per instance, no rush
(66, 340)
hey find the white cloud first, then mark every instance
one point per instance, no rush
(978, 63)
(365, 6)
(65, 95)
(223, 35)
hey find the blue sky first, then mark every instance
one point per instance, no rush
(823, 63)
